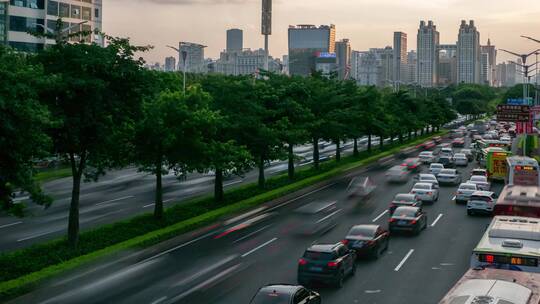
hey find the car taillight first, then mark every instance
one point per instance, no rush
(430, 193)
(302, 262)
(332, 264)
(413, 192)
(413, 222)
(371, 242)
(391, 220)
(344, 242)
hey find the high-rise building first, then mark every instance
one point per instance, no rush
(410, 75)
(447, 64)
(4, 17)
(373, 67)
(491, 52)
(304, 43)
(170, 64)
(468, 53)
(245, 62)
(400, 57)
(343, 59)
(485, 75)
(427, 42)
(194, 59)
(35, 15)
(235, 40)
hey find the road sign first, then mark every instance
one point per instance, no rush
(516, 113)
(519, 101)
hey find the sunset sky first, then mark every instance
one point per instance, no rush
(367, 23)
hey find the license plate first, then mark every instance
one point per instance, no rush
(357, 244)
(402, 223)
(315, 268)
(420, 193)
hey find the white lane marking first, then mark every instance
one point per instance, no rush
(251, 234)
(446, 264)
(398, 267)
(168, 200)
(328, 216)
(436, 220)
(372, 291)
(177, 247)
(160, 300)
(453, 198)
(115, 200)
(243, 216)
(149, 205)
(35, 236)
(9, 225)
(258, 247)
(379, 216)
(301, 196)
(206, 270)
(350, 183)
(232, 183)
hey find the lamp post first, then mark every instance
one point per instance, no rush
(181, 55)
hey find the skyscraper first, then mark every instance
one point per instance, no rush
(400, 57)
(491, 52)
(235, 40)
(4, 4)
(412, 59)
(373, 67)
(468, 53)
(194, 59)
(447, 64)
(343, 58)
(305, 42)
(170, 64)
(427, 42)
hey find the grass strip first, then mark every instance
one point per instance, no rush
(52, 174)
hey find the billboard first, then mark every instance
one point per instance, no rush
(515, 113)
(266, 20)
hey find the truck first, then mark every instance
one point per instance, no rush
(495, 162)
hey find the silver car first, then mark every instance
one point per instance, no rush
(435, 168)
(426, 192)
(464, 192)
(428, 178)
(460, 159)
(399, 174)
(481, 202)
(426, 157)
(481, 182)
(449, 176)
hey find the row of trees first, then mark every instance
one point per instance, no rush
(101, 109)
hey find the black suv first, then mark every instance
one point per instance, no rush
(329, 263)
(285, 294)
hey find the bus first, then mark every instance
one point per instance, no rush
(511, 243)
(495, 162)
(518, 201)
(495, 286)
(490, 143)
(522, 171)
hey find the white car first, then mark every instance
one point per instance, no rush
(435, 168)
(506, 139)
(428, 178)
(465, 191)
(480, 172)
(481, 202)
(426, 192)
(481, 182)
(426, 157)
(449, 176)
(460, 159)
(446, 152)
(397, 174)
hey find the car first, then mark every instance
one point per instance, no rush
(427, 178)
(460, 159)
(437, 139)
(397, 174)
(481, 202)
(456, 134)
(361, 187)
(481, 182)
(468, 153)
(479, 171)
(435, 168)
(326, 263)
(426, 192)
(285, 294)
(449, 176)
(464, 192)
(316, 217)
(506, 139)
(428, 145)
(458, 142)
(411, 219)
(367, 240)
(426, 157)
(476, 138)
(447, 161)
(446, 152)
(413, 164)
(404, 199)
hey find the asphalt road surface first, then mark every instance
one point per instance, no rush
(228, 264)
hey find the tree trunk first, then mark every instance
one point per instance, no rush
(355, 148)
(381, 141)
(422, 131)
(316, 153)
(409, 135)
(218, 186)
(369, 143)
(400, 138)
(5, 195)
(415, 133)
(73, 221)
(158, 204)
(291, 161)
(338, 150)
(261, 172)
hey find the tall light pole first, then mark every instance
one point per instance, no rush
(266, 27)
(181, 55)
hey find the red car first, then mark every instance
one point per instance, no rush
(458, 142)
(428, 145)
(412, 164)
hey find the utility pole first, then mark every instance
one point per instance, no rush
(266, 27)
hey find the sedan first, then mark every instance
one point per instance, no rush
(461, 159)
(481, 202)
(404, 199)
(468, 153)
(458, 142)
(285, 294)
(398, 174)
(464, 192)
(426, 157)
(411, 219)
(367, 240)
(428, 178)
(447, 161)
(413, 164)
(449, 176)
(481, 182)
(426, 192)
(435, 168)
(478, 171)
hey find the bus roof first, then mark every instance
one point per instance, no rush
(495, 149)
(521, 161)
(511, 234)
(520, 195)
(514, 287)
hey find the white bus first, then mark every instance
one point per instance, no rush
(522, 171)
(511, 243)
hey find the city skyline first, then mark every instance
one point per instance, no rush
(367, 23)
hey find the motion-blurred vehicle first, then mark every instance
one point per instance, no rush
(446, 152)
(458, 142)
(449, 176)
(479, 171)
(413, 164)
(435, 168)
(456, 134)
(464, 192)
(326, 263)
(285, 294)
(481, 182)
(411, 219)
(481, 202)
(437, 139)
(426, 157)
(460, 159)
(397, 174)
(506, 139)
(427, 178)
(367, 240)
(361, 187)
(468, 153)
(404, 199)
(447, 161)
(428, 145)
(317, 217)
(426, 192)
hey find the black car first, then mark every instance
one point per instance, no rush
(285, 294)
(411, 219)
(367, 240)
(447, 162)
(329, 263)
(404, 199)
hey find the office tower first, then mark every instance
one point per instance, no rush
(343, 59)
(447, 64)
(235, 40)
(34, 15)
(170, 64)
(245, 62)
(304, 42)
(485, 76)
(427, 42)
(373, 67)
(491, 52)
(410, 75)
(500, 78)
(194, 57)
(400, 57)
(285, 61)
(4, 16)
(468, 53)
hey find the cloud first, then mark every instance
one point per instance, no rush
(190, 2)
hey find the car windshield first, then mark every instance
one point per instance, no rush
(397, 169)
(447, 171)
(436, 166)
(465, 151)
(362, 231)
(271, 297)
(478, 178)
(315, 255)
(422, 186)
(467, 187)
(405, 212)
(427, 178)
(426, 154)
(460, 155)
(404, 198)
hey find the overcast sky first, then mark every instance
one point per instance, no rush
(367, 23)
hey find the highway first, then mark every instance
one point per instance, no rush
(225, 265)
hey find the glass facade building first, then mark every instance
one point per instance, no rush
(4, 21)
(305, 41)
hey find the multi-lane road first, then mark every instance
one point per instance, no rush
(213, 267)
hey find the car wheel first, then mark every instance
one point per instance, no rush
(339, 280)
(353, 270)
(376, 253)
(470, 212)
(425, 225)
(387, 244)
